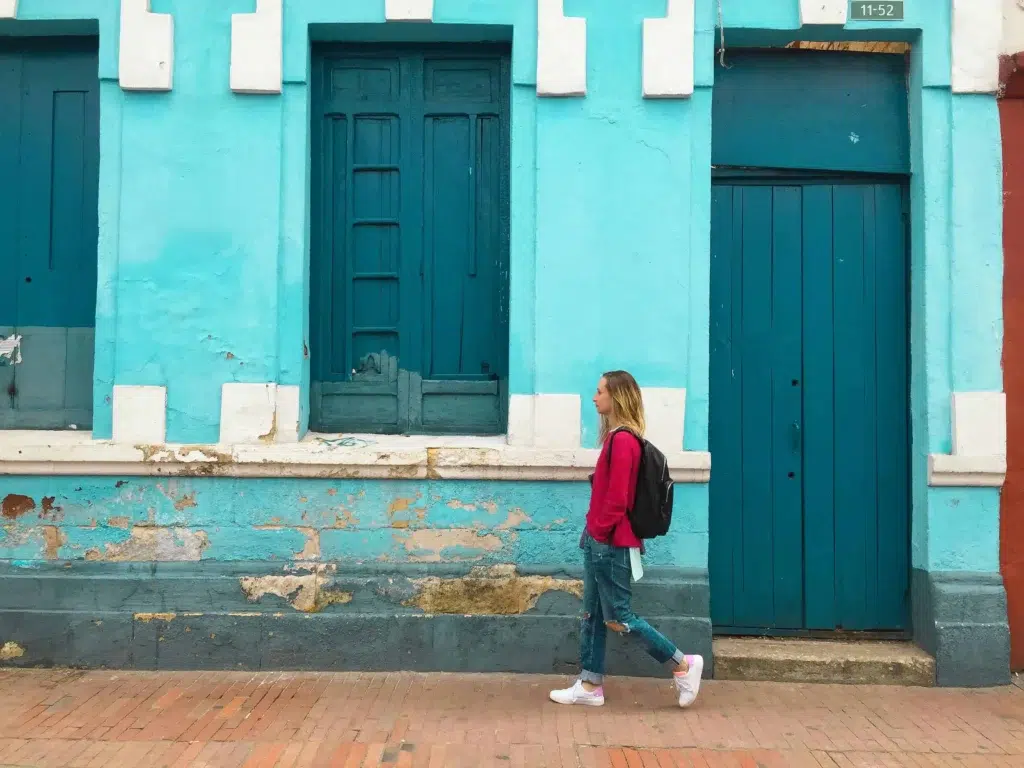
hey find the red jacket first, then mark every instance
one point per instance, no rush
(613, 490)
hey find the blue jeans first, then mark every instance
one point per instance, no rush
(606, 598)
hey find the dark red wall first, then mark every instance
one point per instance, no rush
(1011, 556)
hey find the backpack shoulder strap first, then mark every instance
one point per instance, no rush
(611, 441)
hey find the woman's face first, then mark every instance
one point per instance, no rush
(603, 399)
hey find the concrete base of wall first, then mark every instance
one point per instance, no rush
(960, 618)
(820, 661)
(250, 616)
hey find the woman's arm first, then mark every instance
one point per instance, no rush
(625, 450)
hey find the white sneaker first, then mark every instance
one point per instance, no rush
(577, 694)
(688, 685)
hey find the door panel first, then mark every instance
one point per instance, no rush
(809, 411)
(819, 426)
(411, 311)
(755, 436)
(49, 150)
(870, 423)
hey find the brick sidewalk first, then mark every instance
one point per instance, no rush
(144, 720)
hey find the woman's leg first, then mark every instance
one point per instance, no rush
(613, 576)
(588, 688)
(593, 632)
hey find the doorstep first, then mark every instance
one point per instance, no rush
(822, 661)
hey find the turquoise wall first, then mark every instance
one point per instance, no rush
(203, 253)
(374, 521)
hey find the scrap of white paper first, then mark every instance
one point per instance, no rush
(635, 564)
(11, 349)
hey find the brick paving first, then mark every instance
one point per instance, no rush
(145, 720)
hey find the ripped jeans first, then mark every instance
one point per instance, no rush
(606, 599)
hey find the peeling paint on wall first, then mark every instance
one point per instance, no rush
(404, 512)
(309, 593)
(312, 549)
(9, 651)
(498, 590)
(167, 544)
(300, 520)
(15, 505)
(451, 544)
(53, 540)
(146, 618)
(516, 519)
(49, 507)
(299, 591)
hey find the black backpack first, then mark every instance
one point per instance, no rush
(651, 514)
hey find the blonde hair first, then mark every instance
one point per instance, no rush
(627, 405)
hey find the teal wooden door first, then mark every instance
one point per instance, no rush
(49, 164)
(409, 306)
(809, 433)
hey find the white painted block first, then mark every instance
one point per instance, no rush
(561, 51)
(140, 415)
(8, 9)
(257, 49)
(979, 423)
(977, 32)
(247, 412)
(823, 12)
(665, 409)
(1013, 28)
(146, 59)
(287, 414)
(557, 421)
(520, 420)
(409, 10)
(668, 53)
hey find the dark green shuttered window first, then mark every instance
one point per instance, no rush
(409, 291)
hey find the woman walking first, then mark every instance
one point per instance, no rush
(607, 543)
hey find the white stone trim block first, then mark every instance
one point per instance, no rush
(520, 420)
(287, 413)
(557, 421)
(668, 53)
(8, 9)
(257, 49)
(977, 31)
(945, 471)
(823, 12)
(409, 10)
(665, 409)
(146, 45)
(140, 415)
(247, 413)
(561, 51)
(545, 422)
(979, 423)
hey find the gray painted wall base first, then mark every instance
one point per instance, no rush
(960, 618)
(199, 616)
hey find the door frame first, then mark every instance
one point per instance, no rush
(766, 176)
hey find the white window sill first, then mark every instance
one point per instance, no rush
(947, 471)
(320, 456)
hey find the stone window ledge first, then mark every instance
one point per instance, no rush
(330, 456)
(945, 470)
